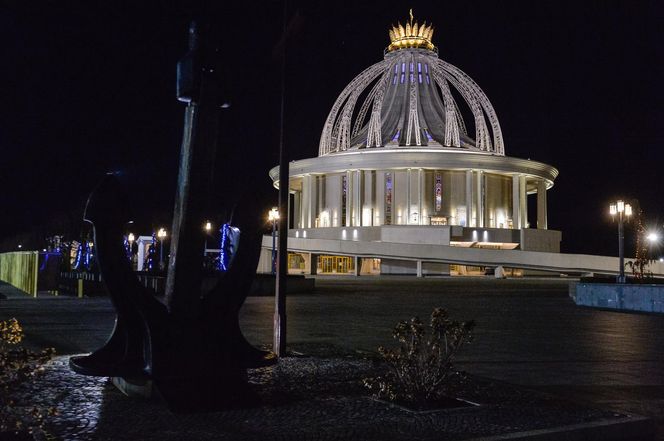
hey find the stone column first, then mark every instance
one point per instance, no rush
(523, 201)
(349, 197)
(420, 195)
(516, 202)
(379, 200)
(358, 265)
(408, 200)
(479, 208)
(368, 204)
(358, 187)
(469, 198)
(306, 197)
(313, 264)
(419, 268)
(321, 194)
(541, 205)
(313, 204)
(297, 215)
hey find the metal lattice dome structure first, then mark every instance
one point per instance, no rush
(412, 99)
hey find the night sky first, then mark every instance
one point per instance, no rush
(89, 89)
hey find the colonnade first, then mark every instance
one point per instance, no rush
(359, 198)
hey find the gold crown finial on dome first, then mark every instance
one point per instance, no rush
(412, 35)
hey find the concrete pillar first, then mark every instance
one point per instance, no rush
(297, 215)
(306, 197)
(349, 197)
(368, 202)
(313, 264)
(358, 265)
(541, 205)
(516, 202)
(469, 198)
(379, 204)
(420, 195)
(408, 200)
(523, 202)
(357, 196)
(321, 194)
(313, 205)
(479, 199)
(419, 268)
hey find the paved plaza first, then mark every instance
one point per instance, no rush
(528, 331)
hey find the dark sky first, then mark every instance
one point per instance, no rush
(91, 88)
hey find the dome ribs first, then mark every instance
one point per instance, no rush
(413, 118)
(328, 138)
(411, 103)
(498, 145)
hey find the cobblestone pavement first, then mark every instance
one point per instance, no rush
(302, 399)
(528, 332)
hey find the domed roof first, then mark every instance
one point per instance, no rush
(409, 100)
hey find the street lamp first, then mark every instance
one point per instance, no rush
(273, 216)
(131, 238)
(652, 237)
(622, 210)
(161, 234)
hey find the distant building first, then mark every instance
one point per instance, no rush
(411, 155)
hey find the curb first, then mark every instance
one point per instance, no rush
(632, 428)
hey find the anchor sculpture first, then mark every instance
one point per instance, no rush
(191, 347)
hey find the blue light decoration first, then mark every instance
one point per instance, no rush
(230, 241)
(127, 248)
(79, 253)
(88, 255)
(152, 251)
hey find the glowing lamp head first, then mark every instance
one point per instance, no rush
(613, 209)
(273, 215)
(131, 237)
(628, 210)
(652, 237)
(161, 234)
(208, 226)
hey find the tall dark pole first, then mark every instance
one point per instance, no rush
(621, 248)
(274, 246)
(279, 344)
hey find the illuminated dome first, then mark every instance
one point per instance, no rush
(412, 99)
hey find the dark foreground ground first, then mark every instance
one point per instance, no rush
(528, 332)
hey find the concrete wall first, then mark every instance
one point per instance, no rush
(398, 267)
(432, 235)
(540, 240)
(643, 298)
(435, 269)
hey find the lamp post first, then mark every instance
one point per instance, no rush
(161, 234)
(273, 216)
(208, 228)
(131, 238)
(623, 211)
